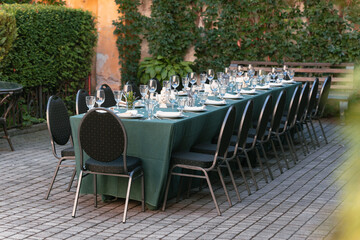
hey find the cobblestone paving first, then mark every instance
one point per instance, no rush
(301, 203)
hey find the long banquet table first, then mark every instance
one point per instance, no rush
(154, 140)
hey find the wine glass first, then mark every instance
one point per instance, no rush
(152, 85)
(214, 86)
(291, 73)
(192, 77)
(174, 81)
(210, 74)
(273, 73)
(240, 71)
(251, 71)
(246, 79)
(144, 89)
(219, 75)
(100, 97)
(280, 77)
(203, 97)
(166, 85)
(238, 87)
(267, 79)
(173, 99)
(253, 83)
(203, 77)
(231, 83)
(261, 75)
(226, 70)
(185, 82)
(90, 102)
(222, 91)
(117, 95)
(181, 104)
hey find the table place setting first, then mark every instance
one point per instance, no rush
(168, 115)
(195, 108)
(215, 102)
(232, 96)
(275, 84)
(291, 81)
(130, 114)
(262, 87)
(244, 91)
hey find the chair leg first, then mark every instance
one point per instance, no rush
(323, 132)
(179, 188)
(261, 165)
(310, 135)
(243, 175)
(233, 180)
(127, 197)
(53, 179)
(95, 190)
(251, 170)
(167, 190)
(304, 139)
(291, 147)
(313, 128)
(224, 186)
(300, 139)
(6, 135)
(77, 194)
(283, 152)
(267, 162)
(276, 156)
(71, 180)
(212, 192)
(143, 192)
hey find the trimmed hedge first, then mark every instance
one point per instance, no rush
(7, 33)
(54, 48)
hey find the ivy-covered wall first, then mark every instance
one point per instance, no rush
(221, 31)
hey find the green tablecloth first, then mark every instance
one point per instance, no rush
(154, 140)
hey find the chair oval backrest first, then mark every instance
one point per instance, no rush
(324, 93)
(102, 135)
(109, 96)
(264, 117)
(245, 123)
(278, 111)
(303, 102)
(312, 96)
(58, 120)
(226, 131)
(81, 106)
(291, 116)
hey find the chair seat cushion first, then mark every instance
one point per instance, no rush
(116, 166)
(68, 152)
(209, 148)
(193, 159)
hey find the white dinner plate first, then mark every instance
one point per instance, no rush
(128, 116)
(215, 103)
(165, 115)
(194, 109)
(232, 96)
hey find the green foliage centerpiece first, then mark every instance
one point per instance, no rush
(130, 100)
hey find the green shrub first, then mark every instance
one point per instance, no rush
(14, 1)
(162, 68)
(54, 49)
(7, 33)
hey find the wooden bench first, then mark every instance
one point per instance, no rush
(342, 84)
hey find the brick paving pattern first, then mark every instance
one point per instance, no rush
(301, 203)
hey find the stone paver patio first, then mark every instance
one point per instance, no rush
(301, 203)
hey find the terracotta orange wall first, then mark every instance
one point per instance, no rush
(105, 67)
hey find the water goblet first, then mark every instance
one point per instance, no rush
(267, 79)
(181, 104)
(166, 85)
(144, 89)
(117, 95)
(273, 73)
(90, 102)
(219, 75)
(203, 97)
(214, 86)
(185, 82)
(174, 81)
(210, 74)
(152, 85)
(246, 79)
(238, 87)
(203, 78)
(100, 97)
(173, 99)
(253, 83)
(291, 73)
(192, 78)
(239, 70)
(280, 77)
(222, 91)
(231, 83)
(251, 71)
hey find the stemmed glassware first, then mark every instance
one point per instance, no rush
(232, 83)
(174, 81)
(273, 73)
(280, 77)
(291, 73)
(251, 71)
(181, 104)
(246, 79)
(210, 74)
(90, 102)
(267, 79)
(144, 89)
(240, 71)
(238, 87)
(117, 95)
(222, 91)
(152, 84)
(166, 85)
(203, 97)
(220, 77)
(185, 82)
(100, 97)
(192, 77)
(261, 76)
(214, 86)
(203, 77)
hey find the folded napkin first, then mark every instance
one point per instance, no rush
(194, 109)
(276, 84)
(288, 81)
(244, 91)
(129, 113)
(233, 96)
(168, 114)
(215, 102)
(182, 93)
(207, 88)
(262, 87)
